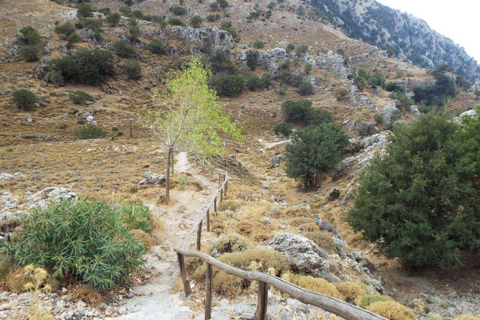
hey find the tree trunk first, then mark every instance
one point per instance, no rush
(167, 176)
(172, 160)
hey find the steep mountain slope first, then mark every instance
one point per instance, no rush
(409, 38)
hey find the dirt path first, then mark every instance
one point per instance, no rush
(154, 300)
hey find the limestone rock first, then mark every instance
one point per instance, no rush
(220, 39)
(390, 114)
(153, 178)
(414, 111)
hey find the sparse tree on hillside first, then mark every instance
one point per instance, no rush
(190, 118)
(315, 151)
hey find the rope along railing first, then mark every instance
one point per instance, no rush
(335, 306)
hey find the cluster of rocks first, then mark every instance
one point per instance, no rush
(153, 178)
(88, 117)
(59, 304)
(212, 36)
(12, 207)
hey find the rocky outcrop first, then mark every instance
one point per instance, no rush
(414, 111)
(303, 255)
(335, 63)
(409, 38)
(219, 39)
(361, 128)
(153, 178)
(390, 114)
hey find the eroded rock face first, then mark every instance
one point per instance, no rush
(303, 255)
(220, 39)
(390, 114)
(361, 128)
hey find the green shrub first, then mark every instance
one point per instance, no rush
(341, 94)
(231, 243)
(367, 299)
(29, 36)
(281, 89)
(72, 39)
(290, 47)
(30, 53)
(90, 132)
(305, 89)
(226, 84)
(402, 100)
(253, 82)
(85, 66)
(233, 32)
(24, 99)
(137, 14)
(178, 10)
(213, 6)
(174, 21)
(222, 3)
(157, 47)
(196, 21)
(124, 49)
(135, 215)
(284, 129)
(252, 57)
(213, 17)
(308, 68)
(266, 80)
(134, 32)
(65, 29)
(377, 118)
(301, 49)
(258, 44)
(113, 18)
(80, 97)
(319, 116)
(132, 69)
(55, 77)
(84, 11)
(86, 239)
(299, 110)
(126, 11)
(296, 80)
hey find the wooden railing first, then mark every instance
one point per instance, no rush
(335, 306)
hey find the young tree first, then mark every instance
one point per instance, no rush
(315, 151)
(418, 202)
(190, 118)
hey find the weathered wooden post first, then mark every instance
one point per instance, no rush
(215, 204)
(183, 273)
(208, 298)
(208, 220)
(131, 128)
(261, 313)
(199, 235)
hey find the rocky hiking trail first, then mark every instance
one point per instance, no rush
(155, 300)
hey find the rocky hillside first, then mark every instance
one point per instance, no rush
(409, 38)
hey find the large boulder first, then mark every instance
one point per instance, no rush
(220, 39)
(153, 178)
(361, 128)
(303, 255)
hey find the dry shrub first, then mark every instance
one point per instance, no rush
(277, 213)
(297, 222)
(323, 240)
(231, 243)
(197, 185)
(317, 285)
(6, 266)
(391, 310)
(309, 227)
(255, 259)
(350, 290)
(17, 279)
(368, 299)
(88, 295)
(298, 212)
(217, 228)
(468, 317)
(143, 237)
(228, 205)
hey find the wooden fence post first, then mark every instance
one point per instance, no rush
(226, 187)
(219, 178)
(261, 313)
(199, 236)
(215, 204)
(208, 220)
(183, 272)
(208, 298)
(221, 195)
(131, 129)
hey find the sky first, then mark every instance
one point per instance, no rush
(457, 20)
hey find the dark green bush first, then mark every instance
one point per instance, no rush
(174, 21)
(65, 29)
(90, 132)
(113, 18)
(222, 3)
(80, 97)
(299, 110)
(134, 32)
(305, 89)
(126, 11)
(301, 49)
(296, 80)
(341, 94)
(402, 100)
(290, 47)
(88, 239)
(213, 17)
(137, 14)
(24, 99)
(258, 44)
(85, 66)
(157, 47)
(84, 11)
(377, 118)
(30, 53)
(132, 69)
(124, 49)
(213, 6)
(253, 82)
(72, 39)
(196, 21)
(233, 32)
(178, 10)
(135, 215)
(227, 84)
(252, 57)
(281, 89)
(284, 129)
(319, 116)
(29, 36)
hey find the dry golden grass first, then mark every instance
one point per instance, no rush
(323, 240)
(468, 317)
(17, 279)
(231, 243)
(391, 310)
(367, 299)
(350, 290)
(143, 237)
(228, 205)
(88, 295)
(318, 285)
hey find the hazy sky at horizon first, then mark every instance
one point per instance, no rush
(457, 20)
